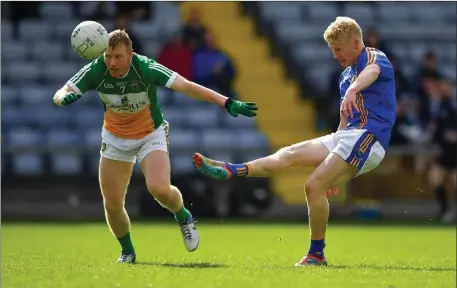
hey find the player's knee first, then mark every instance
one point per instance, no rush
(160, 190)
(286, 155)
(312, 189)
(113, 206)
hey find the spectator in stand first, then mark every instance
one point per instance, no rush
(177, 56)
(212, 68)
(122, 22)
(194, 31)
(372, 39)
(445, 135)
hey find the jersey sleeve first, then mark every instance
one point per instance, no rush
(87, 78)
(158, 74)
(379, 58)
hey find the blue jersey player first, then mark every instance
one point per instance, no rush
(367, 113)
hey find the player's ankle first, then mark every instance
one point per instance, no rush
(238, 170)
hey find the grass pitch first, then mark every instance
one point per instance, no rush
(230, 255)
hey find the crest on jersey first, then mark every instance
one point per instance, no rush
(124, 100)
(135, 84)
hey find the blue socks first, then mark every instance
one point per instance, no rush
(239, 170)
(317, 248)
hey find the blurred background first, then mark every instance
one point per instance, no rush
(272, 53)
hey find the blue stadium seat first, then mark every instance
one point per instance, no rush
(19, 73)
(66, 164)
(183, 140)
(63, 145)
(184, 100)
(238, 122)
(16, 117)
(391, 11)
(145, 30)
(47, 51)
(52, 117)
(276, 11)
(175, 117)
(7, 32)
(9, 95)
(36, 95)
(63, 31)
(359, 11)
(60, 72)
(34, 30)
(212, 139)
(93, 139)
(322, 11)
(27, 164)
(24, 138)
(181, 164)
(203, 117)
(55, 11)
(89, 118)
(14, 51)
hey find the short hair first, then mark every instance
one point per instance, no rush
(119, 36)
(342, 29)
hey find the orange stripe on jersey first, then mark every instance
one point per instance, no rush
(371, 55)
(363, 112)
(366, 143)
(129, 126)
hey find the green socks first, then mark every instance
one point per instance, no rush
(126, 243)
(182, 215)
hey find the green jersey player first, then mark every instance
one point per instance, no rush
(134, 129)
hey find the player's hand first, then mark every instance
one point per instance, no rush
(332, 192)
(69, 98)
(349, 102)
(244, 108)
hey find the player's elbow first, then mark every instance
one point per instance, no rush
(181, 84)
(374, 69)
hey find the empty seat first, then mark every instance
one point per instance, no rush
(7, 32)
(185, 100)
(63, 140)
(36, 95)
(394, 11)
(202, 117)
(53, 118)
(64, 30)
(181, 164)
(14, 51)
(23, 138)
(89, 118)
(28, 164)
(279, 10)
(175, 117)
(212, 139)
(66, 164)
(53, 11)
(16, 117)
(182, 140)
(34, 30)
(93, 139)
(9, 96)
(322, 11)
(238, 122)
(47, 51)
(145, 30)
(59, 72)
(23, 72)
(359, 11)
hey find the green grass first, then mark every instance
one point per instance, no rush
(230, 255)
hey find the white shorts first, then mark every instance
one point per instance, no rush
(358, 147)
(129, 150)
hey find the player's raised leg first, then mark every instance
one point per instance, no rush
(330, 173)
(156, 169)
(305, 154)
(114, 177)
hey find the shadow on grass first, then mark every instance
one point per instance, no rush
(385, 267)
(194, 265)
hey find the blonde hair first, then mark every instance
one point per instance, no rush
(119, 36)
(342, 29)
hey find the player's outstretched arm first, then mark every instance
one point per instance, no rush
(199, 92)
(65, 96)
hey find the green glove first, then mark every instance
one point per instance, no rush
(69, 98)
(244, 108)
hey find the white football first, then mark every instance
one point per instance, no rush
(89, 39)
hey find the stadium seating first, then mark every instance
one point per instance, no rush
(410, 29)
(41, 138)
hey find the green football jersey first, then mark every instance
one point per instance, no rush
(132, 110)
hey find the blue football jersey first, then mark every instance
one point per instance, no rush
(377, 103)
